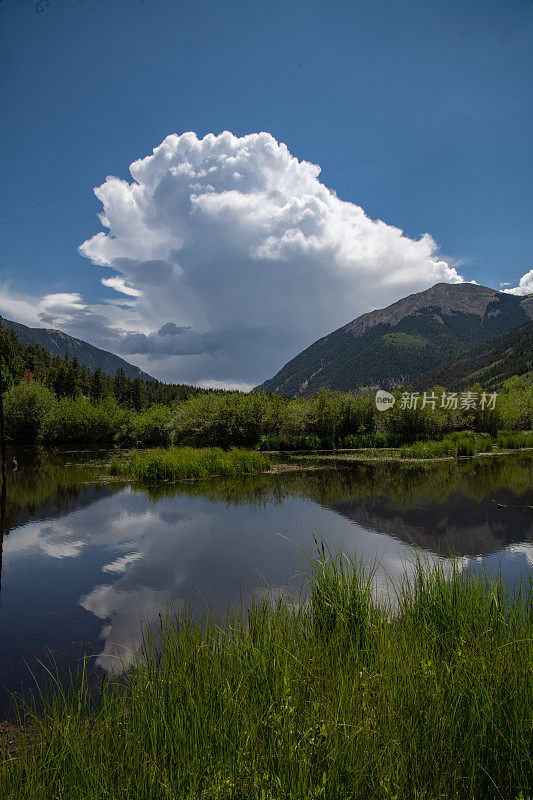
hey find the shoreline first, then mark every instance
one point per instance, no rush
(338, 461)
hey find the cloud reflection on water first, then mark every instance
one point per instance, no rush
(207, 553)
(192, 549)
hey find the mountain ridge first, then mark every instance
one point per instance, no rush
(58, 343)
(396, 344)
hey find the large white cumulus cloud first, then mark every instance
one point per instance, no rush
(241, 257)
(230, 256)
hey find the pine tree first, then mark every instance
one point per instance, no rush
(97, 389)
(138, 394)
(120, 386)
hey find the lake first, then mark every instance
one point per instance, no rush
(84, 561)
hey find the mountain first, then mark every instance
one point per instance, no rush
(58, 343)
(395, 345)
(490, 364)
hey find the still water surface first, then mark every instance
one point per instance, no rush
(84, 561)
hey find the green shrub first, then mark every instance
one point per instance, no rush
(79, 420)
(223, 420)
(244, 420)
(414, 424)
(27, 407)
(150, 427)
(332, 419)
(515, 404)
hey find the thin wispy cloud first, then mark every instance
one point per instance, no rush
(119, 285)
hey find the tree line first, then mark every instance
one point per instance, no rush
(57, 400)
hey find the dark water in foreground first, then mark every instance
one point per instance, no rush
(84, 561)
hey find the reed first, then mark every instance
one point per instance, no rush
(177, 463)
(463, 443)
(333, 697)
(288, 443)
(515, 440)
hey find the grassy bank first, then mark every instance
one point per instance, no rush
(178, 463)
(326, 699)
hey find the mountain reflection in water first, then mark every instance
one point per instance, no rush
(83, 563)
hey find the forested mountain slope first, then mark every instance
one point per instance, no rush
(489, 364)
(397, 344)
(58, 343)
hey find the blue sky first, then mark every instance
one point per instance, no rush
(419, 112)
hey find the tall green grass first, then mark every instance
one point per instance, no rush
(463, 443)
(377, 439)
(175, 463)
(333, 697)
(272, 442)
(515, 440)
